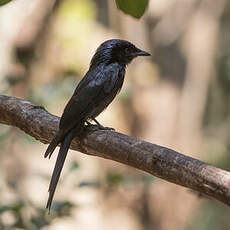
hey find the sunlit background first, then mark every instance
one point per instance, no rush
(178, 98)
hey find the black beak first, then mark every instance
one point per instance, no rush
(142, 53)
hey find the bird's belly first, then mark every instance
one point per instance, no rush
(103, 104)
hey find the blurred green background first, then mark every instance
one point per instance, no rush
(178, 98)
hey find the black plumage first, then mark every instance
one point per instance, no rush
(93, 94)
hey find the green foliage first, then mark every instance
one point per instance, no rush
(135, 8)
(74, 165)
(62, 208)
(40, 217)
(114, 179)
(3, 2)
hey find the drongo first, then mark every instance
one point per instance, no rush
(92, 95)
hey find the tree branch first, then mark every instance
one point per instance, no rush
(156, 160)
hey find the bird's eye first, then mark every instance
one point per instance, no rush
(127, 50)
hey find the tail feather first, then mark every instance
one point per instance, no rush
(58, 165)
(53, 144)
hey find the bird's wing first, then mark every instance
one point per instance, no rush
(109, 78)
(97, 85)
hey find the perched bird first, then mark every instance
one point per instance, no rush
(92, 95)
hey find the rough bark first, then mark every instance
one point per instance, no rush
(154, 159)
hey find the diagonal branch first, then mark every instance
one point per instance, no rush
(154, 159)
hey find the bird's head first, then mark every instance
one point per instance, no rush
(116, 50)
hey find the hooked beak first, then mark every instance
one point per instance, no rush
(142, 53)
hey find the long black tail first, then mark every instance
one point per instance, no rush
(54, 143)
(59, 165)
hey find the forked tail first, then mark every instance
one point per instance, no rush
(58, 165)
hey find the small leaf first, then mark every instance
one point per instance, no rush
(135, 8)
(3, 2)
(74, 166)
(114, 178)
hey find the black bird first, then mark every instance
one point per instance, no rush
(92, 95)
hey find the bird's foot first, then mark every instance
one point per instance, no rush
(90, 126)
(105, 128)
(98, 125)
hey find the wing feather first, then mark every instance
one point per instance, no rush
(95, 88)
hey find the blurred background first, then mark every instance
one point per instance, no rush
(178, 98)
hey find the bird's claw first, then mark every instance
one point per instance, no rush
(105, 128)
(98, 125)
